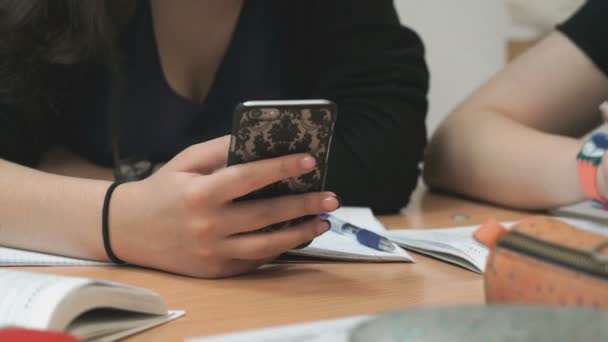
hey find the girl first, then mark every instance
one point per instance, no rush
(179, 68)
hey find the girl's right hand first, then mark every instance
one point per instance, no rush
(183, 219)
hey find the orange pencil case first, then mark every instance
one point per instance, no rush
(542, 260)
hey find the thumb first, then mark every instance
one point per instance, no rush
(203, 158)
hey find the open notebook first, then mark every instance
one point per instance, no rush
(334, 246)
(328, 246)
(458, 246)
(454, 245)
(86, 308)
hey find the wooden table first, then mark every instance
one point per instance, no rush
(280, 294)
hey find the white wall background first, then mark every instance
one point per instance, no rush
(465, 42)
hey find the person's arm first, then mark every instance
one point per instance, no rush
(357, 54)
(50, 213)
(61, 161)
(515, 140)
(181, 219)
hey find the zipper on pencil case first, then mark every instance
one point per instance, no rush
(591, 263)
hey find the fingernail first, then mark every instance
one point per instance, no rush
(308, 163)
(324, 226)
(604, 107)
(337, 198)
(330, 203)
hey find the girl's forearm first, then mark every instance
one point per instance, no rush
(489, 156)
(51, 213)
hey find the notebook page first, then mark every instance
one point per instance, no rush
(456, 241)
(360, 216)
(29, 299)
(334, 330)
(451, 258)
(19, 257)
(335, 246)
(332, 245)
(459, 242)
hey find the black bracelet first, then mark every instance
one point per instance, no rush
(105, 231)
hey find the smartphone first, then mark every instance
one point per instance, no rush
(269, 129)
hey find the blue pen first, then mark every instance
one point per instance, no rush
(364, 236)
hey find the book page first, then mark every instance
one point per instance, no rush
(332, 245)
(449, 257)
(98, 326)
(452, 244)
(333, 330)
(340, 247)
(458, 242)
(30, 299)
(19, 257)
(360, 216)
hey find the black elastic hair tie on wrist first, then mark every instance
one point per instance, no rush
(105, 231)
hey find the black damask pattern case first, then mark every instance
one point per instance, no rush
(268, 129)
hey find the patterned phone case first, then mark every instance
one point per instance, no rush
(269, 129)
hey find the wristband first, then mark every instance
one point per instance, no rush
(105, 229)
(589, 159)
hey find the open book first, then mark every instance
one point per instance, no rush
(458, 246)
(334, 246)
(88, 309)
(454, 245)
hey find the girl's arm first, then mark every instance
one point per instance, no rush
(181, 219)
(515, 140)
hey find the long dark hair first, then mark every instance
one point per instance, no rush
(39, 36)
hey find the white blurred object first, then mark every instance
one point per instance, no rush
(533, 19)
(465, 42)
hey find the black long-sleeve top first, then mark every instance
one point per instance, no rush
(353, 52)
(588, 31)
